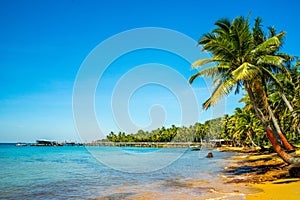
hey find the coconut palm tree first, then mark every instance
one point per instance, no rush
(279, 88)
(243, 63)
(291, 112)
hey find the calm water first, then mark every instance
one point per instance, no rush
(72, 172)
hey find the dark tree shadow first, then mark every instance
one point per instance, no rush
(286, 182)
(245, 170)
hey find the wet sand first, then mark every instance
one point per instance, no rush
(188, 190)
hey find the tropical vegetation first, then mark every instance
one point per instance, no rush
(245, 58)
(198, 132)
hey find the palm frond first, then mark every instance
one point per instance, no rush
(202, 62)
(224, 26)
(219, 92)
(221, 48)
(242, 39)
(226, 74)
(246, 71)
(258, 34)
(238, 87)
(273, 77)
(270, 60)
(272, 31)
(193, 77)
(212, 71)
(206, 38)
(270, 45)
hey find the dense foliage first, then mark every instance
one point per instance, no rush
(195, 133)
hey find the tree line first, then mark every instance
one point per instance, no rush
(194, 133)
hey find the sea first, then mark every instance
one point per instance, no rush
(79, 172)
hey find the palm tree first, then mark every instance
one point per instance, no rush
(244, 63)
(260, 38)
(286, 114)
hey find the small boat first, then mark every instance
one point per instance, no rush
(21, 144)
(41, 143)
(70, 143)
(195, 148)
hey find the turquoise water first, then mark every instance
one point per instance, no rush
(74, 173)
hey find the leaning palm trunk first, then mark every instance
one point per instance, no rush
(251, 139)
(287, 103)
(285, 156)
(281, 136)
(278, 133)
(270, 133)
(290, 107)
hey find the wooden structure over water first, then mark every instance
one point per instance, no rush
(54, 143)
(144, 144)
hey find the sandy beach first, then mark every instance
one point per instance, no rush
(281, 189)
(265, 174)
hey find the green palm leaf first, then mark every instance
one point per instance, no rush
(270, 60)
(202, 62)
(209, 72)
(219, 92)
(246, 71)
(269, 46)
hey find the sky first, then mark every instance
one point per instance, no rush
(45, 44)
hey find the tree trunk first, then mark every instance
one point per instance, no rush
(287, 103)
(290, 107)
(285, 156)
(251, 140)
(271, 136)
(278, 133)
(285, 143)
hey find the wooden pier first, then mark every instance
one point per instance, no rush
(144, 144)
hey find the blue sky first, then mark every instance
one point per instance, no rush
(44, 43)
